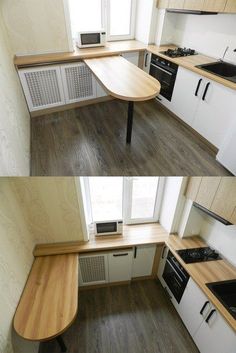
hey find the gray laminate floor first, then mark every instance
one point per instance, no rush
(136, 318)
(92, 141)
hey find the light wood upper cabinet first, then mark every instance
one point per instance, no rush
(176, 4)
(162, 4)
(214, 5)
(207, 191)
(224, 203)
(230, 6)
(193, 4)
(218, 194)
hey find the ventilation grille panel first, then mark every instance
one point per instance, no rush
(93, 269)
(79, 82)
(43, 87)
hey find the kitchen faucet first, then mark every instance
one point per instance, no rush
(225, 52)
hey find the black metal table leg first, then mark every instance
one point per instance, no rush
(130, 121)
(61, 343)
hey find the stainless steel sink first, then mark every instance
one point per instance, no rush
(226, 293)
(222, 69)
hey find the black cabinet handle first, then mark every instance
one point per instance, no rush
(135, 252)
(159, 99)
(198, 86)
(206, 90)
(146, 58)
(116, 255)
(204, 307)
(163, 252)
(210, 315)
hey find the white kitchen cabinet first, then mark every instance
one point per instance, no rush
(120, 265)
(215, 113)
(205, 105)
(143, 260)
(215, 336)
(193, 307)
(184, 101)
(100, 90)
(42, 87)
(78, 82)
(132, 57)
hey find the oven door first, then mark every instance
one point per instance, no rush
(174, 282)
(166, 79)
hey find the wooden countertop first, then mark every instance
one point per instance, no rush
(189, 62)
(205, 272)
(49, 302)
(123, 80)
(133, 235)
(111, 48)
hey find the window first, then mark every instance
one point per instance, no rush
(134, 199)
(117, 17)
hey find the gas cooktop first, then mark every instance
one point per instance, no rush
(179, 52)
(198, 255)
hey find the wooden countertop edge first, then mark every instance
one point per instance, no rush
(229, 319)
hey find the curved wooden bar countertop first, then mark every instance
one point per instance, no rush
(49, 302)
(123, 80)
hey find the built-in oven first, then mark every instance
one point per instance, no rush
(175, 276)
(165, 72)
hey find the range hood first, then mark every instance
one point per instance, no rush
(212, 214)
(191, 12)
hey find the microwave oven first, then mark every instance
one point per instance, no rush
(91, 39)
(108, 228)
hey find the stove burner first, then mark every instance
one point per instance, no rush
(179, 52)
(198, 255)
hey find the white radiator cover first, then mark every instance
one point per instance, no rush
(42, 87)
(93, 269)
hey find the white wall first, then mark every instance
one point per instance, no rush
(35, 26)
(221, 237)
(172, 203)
(209, 35)
(14, 116)
(145, 21)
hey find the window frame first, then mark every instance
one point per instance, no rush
(105, 22)
(127, 201)
(127, 207)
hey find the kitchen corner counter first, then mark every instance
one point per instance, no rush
(190, 62)
(205, 272)
(133, 235)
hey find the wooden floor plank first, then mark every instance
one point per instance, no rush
(92, 141)
(134, 318)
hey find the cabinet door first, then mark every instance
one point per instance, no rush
(215, 113)
(143, 260)
(207, 191)
(132, 57)
(79, 83)
(230, 6)
(193, 187)
(93, 269)
(185, 99)
(193, 4)
(194, 307)
(42, 87)
(176, 4)
(224, 203)
(214, 5)
(100, 90)
(215, 336)
(120, 265)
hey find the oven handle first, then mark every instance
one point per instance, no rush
(160, 68)
(174, 270)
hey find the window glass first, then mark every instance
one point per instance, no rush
(86, 15)
(143, 199)
(106, 198)
(120, 17)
